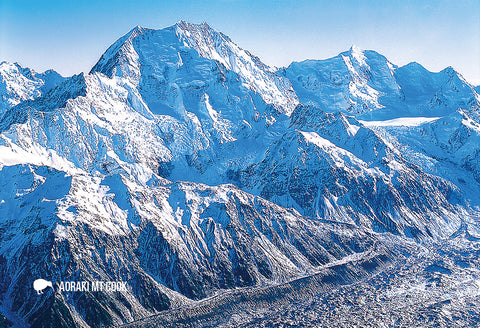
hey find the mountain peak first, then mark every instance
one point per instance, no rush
(182, 176)
(202, 37)
(355, 49)
(121, 58)
(137, 30)
(18, 83)
(194, 29)
(145, 52)
(183, 23)
(360, 55)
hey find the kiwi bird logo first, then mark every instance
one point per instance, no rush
(40, 284)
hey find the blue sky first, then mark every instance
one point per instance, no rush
(70, 36)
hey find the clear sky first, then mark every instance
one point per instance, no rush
(70, 35)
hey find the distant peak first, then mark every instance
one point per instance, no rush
(419, 67)
(138, 28)
(357, 54)
(25, 71)
(10, 64)
(355, 49)
(184, 22)
(450, 70)
(452, 73)
(136, 31)
(187, 26)
(200, 36)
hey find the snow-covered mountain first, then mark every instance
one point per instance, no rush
(367, 85)
(209, 94)
(155, 59)
(188, 168)
(330, 167)
(18, 84)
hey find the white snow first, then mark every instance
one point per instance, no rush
(37, 155)
(256, 76)
(352, 129)
(314, 138)
(359, 56)
(468, 122)
(401, 121)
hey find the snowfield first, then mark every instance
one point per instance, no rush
(401, 121)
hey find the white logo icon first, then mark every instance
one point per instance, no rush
(40, 284)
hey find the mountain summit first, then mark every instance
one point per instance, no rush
(18, 84)
(143, 53)
(367, 85)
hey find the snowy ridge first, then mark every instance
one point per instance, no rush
(366, 84)
(18, 84)
(401, 121)
(353, 82)
(122, 59)
(257, 76)
(323, 179)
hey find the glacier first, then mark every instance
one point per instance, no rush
(229, 193)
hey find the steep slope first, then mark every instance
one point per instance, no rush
(89, 121)
(161, 239)
(445, 146)
(437, 288)
(210, 95)
(18, 84)
(330, 167)
(147, 56)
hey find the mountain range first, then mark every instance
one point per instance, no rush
(229, 193)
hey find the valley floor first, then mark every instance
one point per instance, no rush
(436, 287)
